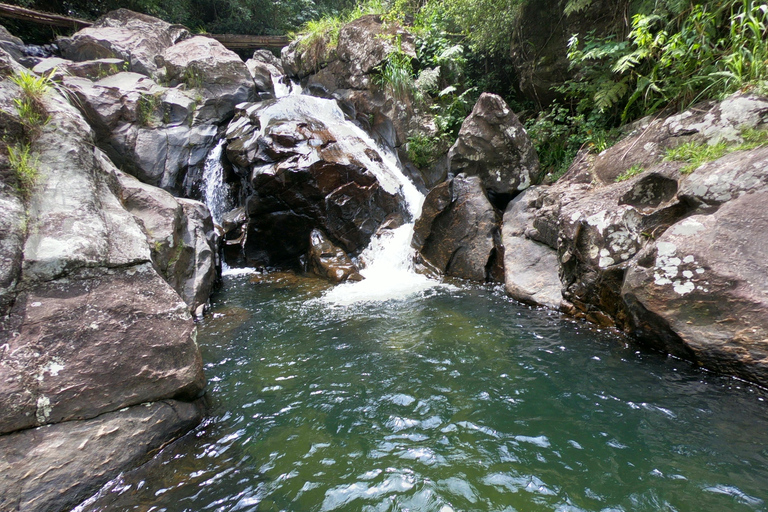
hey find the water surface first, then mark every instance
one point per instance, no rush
(455, 399)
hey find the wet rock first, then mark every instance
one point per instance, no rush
(307, 175)
(218, 74)
(58, 68)
(329, 261)
(132, 37)
(456, 233)
(264, 68)
(56, 467)
(494, 145)
(700, 290)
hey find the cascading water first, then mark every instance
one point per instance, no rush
(215, 191)
(388, 260)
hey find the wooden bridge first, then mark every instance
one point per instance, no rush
(231, 41)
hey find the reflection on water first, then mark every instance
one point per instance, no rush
(450, 400)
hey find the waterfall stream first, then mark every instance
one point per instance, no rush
(387, 263)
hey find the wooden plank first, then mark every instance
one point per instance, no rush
(231, 41)
(41, 18)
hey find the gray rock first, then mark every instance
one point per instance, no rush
(65, 354)
(329, 261)
(700, 291)
(264, 68)
(707, 123)
(56, 467)
(132, 37)
(11, 44)
(218, 74)
(456, 233)
(531, 270)
(494, 145)
(92, 69)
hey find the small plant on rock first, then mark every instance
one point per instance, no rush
(30, 107)
(24, 166)
(630, 173)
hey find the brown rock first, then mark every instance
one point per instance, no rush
(330, 261)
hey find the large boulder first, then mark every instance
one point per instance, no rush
(494, 145)
(457, 232)
(180, 234)
(309, 169)
(55, 459)
(89, 327)
(133, 37)
(156, 133)
(531, 270)
(265, 68)
(701, 289)
(218, 74)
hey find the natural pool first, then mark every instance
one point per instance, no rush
(454, 399)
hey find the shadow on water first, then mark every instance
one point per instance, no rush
(454, 399)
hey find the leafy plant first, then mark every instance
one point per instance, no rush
(630, 173)
(147, 105)
(396, 74)
(695, 154)
(30, 107)
(24, 166)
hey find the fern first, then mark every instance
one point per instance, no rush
(610, 94)
(574, 6)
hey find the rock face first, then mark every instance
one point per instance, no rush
(494, 145)
(264, 67)
(135, 38)
(308, 169)
(204, 64)
(676, 260)
(98, 359)
(346, 74)
(100, 448)
(457, 232)
(329, 261)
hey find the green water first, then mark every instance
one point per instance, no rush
(455, 400)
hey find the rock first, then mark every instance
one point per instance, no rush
(66, 356)
(456, 233)
(707, 123)
(264, 68)
(700, 291)
(145, 128)
(531, 270)
(11, 44)
(308, 169)
(56, 467)
(57, 68)
(135, 38)
(181, 235)
(205, 65)
(493, 145)
(329, 261)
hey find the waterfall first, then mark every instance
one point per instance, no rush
(215, 191)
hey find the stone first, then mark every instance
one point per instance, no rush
(264, 68)
(531, 270)
(58, 68)
(218, 74)
(494, 145)
(11, 44)
(56, 467)
(704, 123)
(130, 36)
(308, 170)
(700, 291)
(65, 354)
(181, 235)
(457, 231)
(329, 261)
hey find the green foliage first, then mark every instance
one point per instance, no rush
(558, 135)
(424, 150)
(396, 75)
(630, 173)
(695, 154)
(147, 106)
(487, 24)
(30, 106)
(24, 166)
